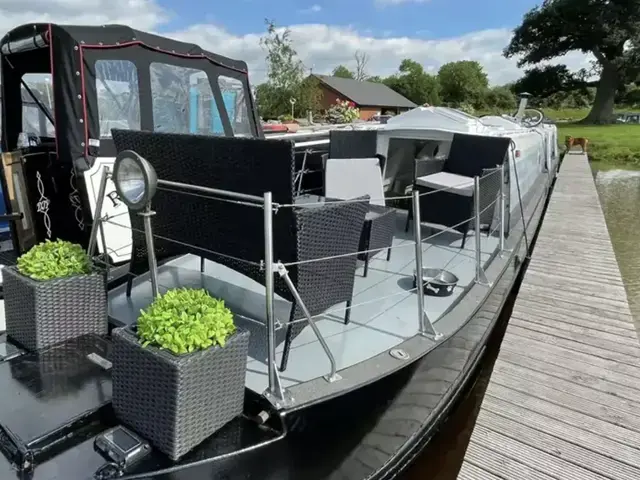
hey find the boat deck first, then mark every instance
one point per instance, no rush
(384, 310)
(564, 397)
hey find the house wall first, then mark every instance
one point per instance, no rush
(329, 98)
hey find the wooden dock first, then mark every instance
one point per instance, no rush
(563, 401)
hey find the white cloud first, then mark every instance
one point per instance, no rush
(325, 46)
(312, 9)
(319, 46)
(142, 14)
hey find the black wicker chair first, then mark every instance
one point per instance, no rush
(469, 156)
(232, 234)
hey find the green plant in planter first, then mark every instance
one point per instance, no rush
(185, 320)
(54, 259)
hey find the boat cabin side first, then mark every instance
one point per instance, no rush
(85, 81)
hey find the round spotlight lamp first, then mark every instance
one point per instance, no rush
(135, 180)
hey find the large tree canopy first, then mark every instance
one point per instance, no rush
(462, 81)
(414, 83)
(608, 29)
(541, 82)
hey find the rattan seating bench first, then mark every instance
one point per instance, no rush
(232, 234)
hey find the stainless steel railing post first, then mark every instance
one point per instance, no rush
(97, 215)
(480, 275)
(503, 206)
(425, 327)
(275, 392)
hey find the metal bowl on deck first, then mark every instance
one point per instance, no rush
(437, 281)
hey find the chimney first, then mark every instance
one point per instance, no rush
(524, 99)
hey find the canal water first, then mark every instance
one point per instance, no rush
(619, 192)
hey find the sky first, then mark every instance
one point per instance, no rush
(325, 32)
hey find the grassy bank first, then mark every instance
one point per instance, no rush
(610, 146)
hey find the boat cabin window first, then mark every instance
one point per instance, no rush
(118, 96)
(183, 101)
(235, 103)
(33, 118)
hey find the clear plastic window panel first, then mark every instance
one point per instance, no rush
(34, 120)
(235, 103)
(183, 101)
(118, 96)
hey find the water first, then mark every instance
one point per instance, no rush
(620, 198)
(619, 192)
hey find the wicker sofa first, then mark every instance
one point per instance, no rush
(232, 234)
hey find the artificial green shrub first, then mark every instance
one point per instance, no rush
(185, 320)
(54, 259)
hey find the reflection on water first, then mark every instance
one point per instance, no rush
(620, 198)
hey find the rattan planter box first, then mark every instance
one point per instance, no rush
(176, 402)
(39, 314)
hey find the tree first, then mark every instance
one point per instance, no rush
(463, 81)
(285, 77)
(342, 72)
(501, 98)
(414, 83)
(362, 60)
(284, 68)
(542, 82)
(608, 29)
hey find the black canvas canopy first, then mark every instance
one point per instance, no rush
(70, 53)
(95, 79)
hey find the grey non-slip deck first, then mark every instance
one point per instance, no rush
(563, 401)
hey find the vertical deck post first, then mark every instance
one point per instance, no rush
(97, 214)
(481, 278)
(503, 206)
(425, 327)
(275, 393)
(151, 253)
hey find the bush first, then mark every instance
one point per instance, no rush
(185, 320)
(343, 112)
(57, 259)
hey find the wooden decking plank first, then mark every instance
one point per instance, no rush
(587, 297)
(629, 364)
(564, 397)
(606, 405)
(573, 362)
(607, 323)
(547, 325)
(605, 293)
(576, 277)
(561, 449)
(470, 472)
(498, 465)
(563, 278)
(581, 343)
(567, 432)
(604, 428)
(533, 457)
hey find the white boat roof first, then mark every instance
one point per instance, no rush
(450, 120)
